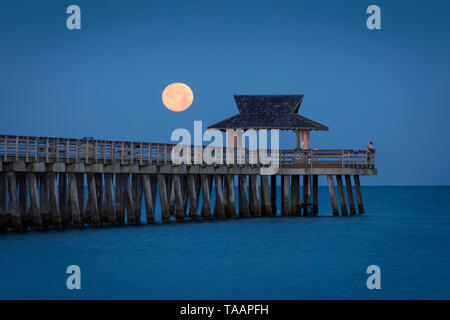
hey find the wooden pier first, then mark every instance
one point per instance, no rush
(42, 184)
(43, 180)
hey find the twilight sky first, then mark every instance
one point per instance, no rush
(106, 80)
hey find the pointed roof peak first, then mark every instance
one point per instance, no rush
(279, 103)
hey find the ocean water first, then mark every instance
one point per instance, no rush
(405, 231)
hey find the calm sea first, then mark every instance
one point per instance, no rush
(405, 231)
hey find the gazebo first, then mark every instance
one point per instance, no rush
(271, 112)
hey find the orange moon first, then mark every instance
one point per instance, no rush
(177, 97)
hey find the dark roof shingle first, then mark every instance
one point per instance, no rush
(268, 112)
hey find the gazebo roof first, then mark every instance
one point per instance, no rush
(268, 112)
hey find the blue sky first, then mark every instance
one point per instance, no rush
(106, 80)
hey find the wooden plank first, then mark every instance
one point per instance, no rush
(332, 191)
(351, 200)
(244, 210)
(342, 201)
(358, 194)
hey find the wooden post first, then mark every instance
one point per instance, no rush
(255, 207)
(148, 185)
(3, 214)
(34, 201)
(342, 201)
(351, 200)
(81, 195)
(54, 200)
(219, 208)
(191, 186)
(99, 190)
(315, 183)
(179, 214)
(184, 192)
(137, 195)
(285, 195)
(206, 206)
(75, 204)
(295, 196)
(334, 205)
(23, 195)
(273, 194)
(120, 208)
(266, 205)
(13, 206)
(244, 211)
(231, 199)
(43, 202)
(306, 195)
(358, 194)
(128, 200)
(92, 211)
(170, 194)
(108, 208)
(63, 199)
(165, 216)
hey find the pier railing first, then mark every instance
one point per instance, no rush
(50, 150)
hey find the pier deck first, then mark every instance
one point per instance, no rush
(42, 182)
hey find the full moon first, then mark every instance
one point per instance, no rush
(177, 97)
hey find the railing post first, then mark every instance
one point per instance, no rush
(157, 154)
(149, 153)
(121, 155)
(5, 149)
(311, 158)
(113, 153)
(27, 147)
(17, 148)
(57, 149)
(67, 150)
(104, 152)
(96, 151)
(36, 149)
(132, 152)
(77, 145)
(46, 150)
(141, 155)
(165, 153)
